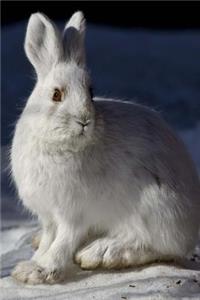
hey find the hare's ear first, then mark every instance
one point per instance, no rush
(74, 38)
(43, 45)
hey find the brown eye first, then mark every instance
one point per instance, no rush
(57, 96)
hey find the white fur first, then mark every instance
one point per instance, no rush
(126, 183)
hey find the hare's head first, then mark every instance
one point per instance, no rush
(61, 102)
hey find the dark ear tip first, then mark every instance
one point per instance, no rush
(39, 17)
(36, 16)
(78, 17)
(77, 21)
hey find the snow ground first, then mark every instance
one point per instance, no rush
(156, 281)
(164, 69)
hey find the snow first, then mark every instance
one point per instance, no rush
(160, 69)
(156, 281)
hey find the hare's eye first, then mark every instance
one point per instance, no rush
(57, 95)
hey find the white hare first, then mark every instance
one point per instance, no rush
(111, 184)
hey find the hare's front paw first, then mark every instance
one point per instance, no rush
(29, 272)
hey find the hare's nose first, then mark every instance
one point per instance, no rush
(83, 123)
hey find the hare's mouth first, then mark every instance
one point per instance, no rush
(83, 129)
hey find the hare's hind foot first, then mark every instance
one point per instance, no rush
(113, 254)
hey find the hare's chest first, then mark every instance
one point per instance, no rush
(40, 177)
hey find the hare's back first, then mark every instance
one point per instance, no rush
(141, 132)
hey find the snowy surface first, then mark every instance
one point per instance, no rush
(161, 281)
(160, 69)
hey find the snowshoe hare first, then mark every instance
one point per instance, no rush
(111, 184)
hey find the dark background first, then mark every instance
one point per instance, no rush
(144, 14)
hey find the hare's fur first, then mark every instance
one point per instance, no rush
(121, 192)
